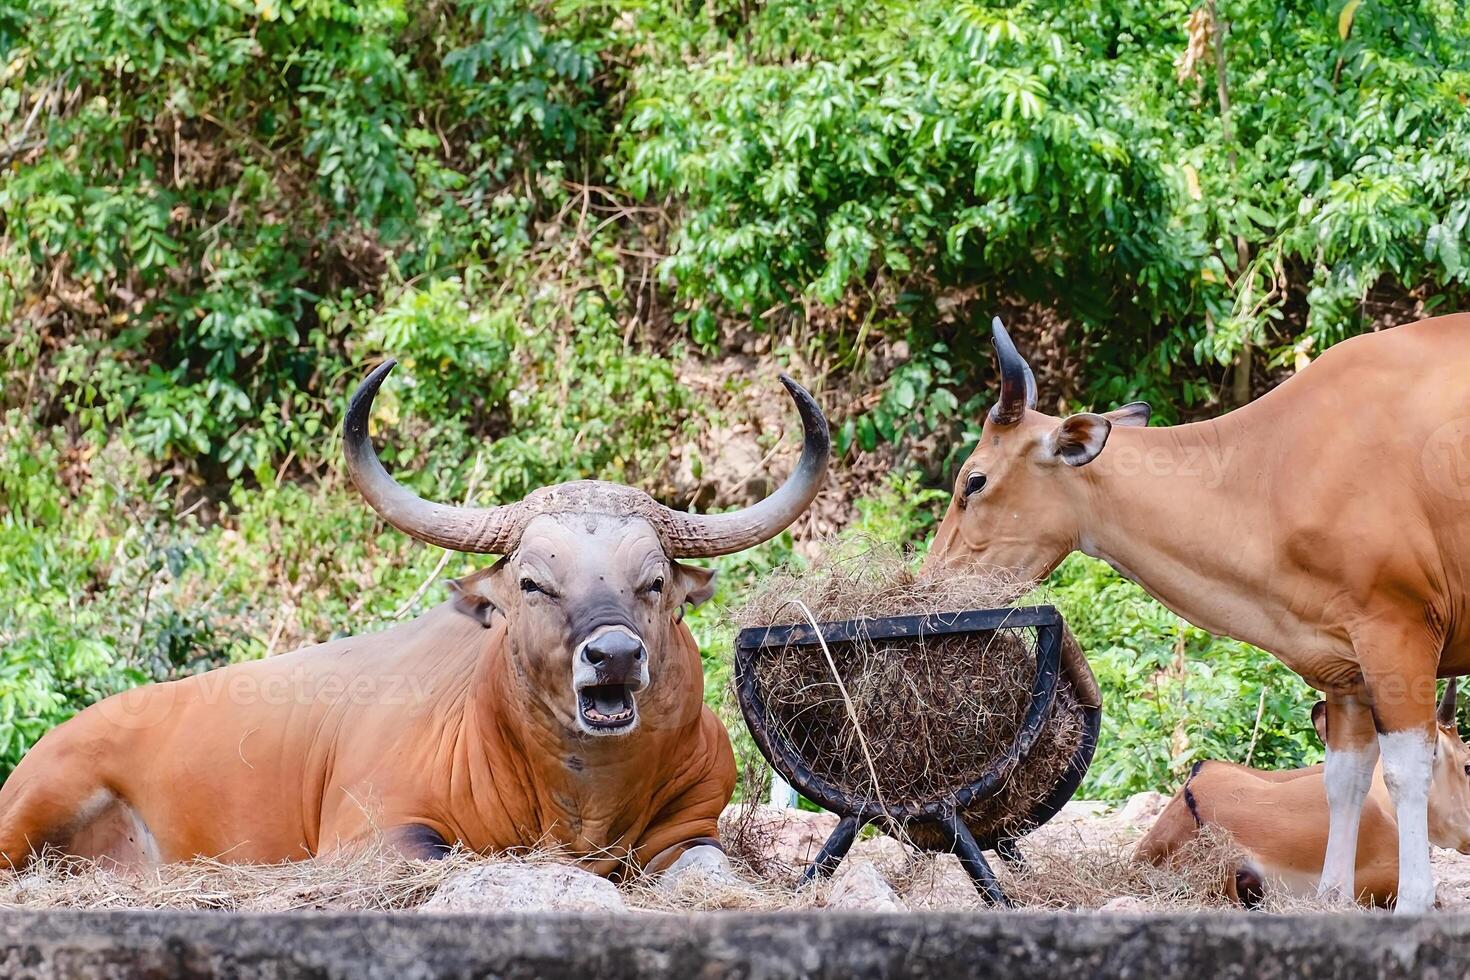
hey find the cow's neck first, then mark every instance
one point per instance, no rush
(1179, 510)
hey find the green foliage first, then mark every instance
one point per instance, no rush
(568, 398)
(914, 145)
(198, 176)
(1052, 151)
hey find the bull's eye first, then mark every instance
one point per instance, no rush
(528, 585)
(1467, 768)
(974, 484)
(657, 585)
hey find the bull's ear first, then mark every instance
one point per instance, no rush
(472, 596)
(698, 583)
(1134, 413)
(1319, 720)
(1078, 439)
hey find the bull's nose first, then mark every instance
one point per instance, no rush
(615, 654)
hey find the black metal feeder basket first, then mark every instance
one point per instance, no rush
(939, 823)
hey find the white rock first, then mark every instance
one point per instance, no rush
(1080, 810)
(1125, 903)
(859, 886)
(514, 887)
(886, 853)
(1142, 808)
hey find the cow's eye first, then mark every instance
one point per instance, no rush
(529, 585)
(1467, 768)
(657, 585)
(974, 484)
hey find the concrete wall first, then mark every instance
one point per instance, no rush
(1014, 946)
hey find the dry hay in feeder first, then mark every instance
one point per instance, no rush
(912, 721)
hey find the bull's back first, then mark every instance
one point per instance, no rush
(1418, 370)
(220, 773)
(1378, 393)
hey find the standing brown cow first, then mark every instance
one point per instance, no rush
(1327, 522)
(556, 699)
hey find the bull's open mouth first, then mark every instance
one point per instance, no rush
(607, 707)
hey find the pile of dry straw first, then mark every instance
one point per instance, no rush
(1061, 873)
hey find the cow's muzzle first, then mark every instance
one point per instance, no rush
(609, 670)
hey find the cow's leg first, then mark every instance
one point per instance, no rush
(46, 802)
(1352, 754)
(90, 823)
(353, 827)
(1403, 710)
(1176, 827)
(704, 855)
(1408, 760)
(414, 840)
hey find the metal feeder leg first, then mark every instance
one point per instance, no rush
(834, 850)
(962, 842)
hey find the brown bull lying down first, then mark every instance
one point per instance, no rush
(1327, 522)
(556, 700)
(1279, 820)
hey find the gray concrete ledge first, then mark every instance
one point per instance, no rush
(1014, 946)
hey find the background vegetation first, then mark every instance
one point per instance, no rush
(592, 229)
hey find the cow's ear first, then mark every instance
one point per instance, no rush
(697, 583)
(1078, 439)
(1319, 720)
(1134, 413)
(472, 596)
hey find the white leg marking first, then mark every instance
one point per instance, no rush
(1408, 765)
(91, 808)
(1348, 775)
(143, 837)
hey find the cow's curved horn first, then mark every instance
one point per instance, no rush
(1446, 713)
(479, 530)
(708, 535)
(1017, 383)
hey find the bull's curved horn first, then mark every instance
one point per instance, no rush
(1017, 383)
(708, 535)
(1446, 712)
(479, 530)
